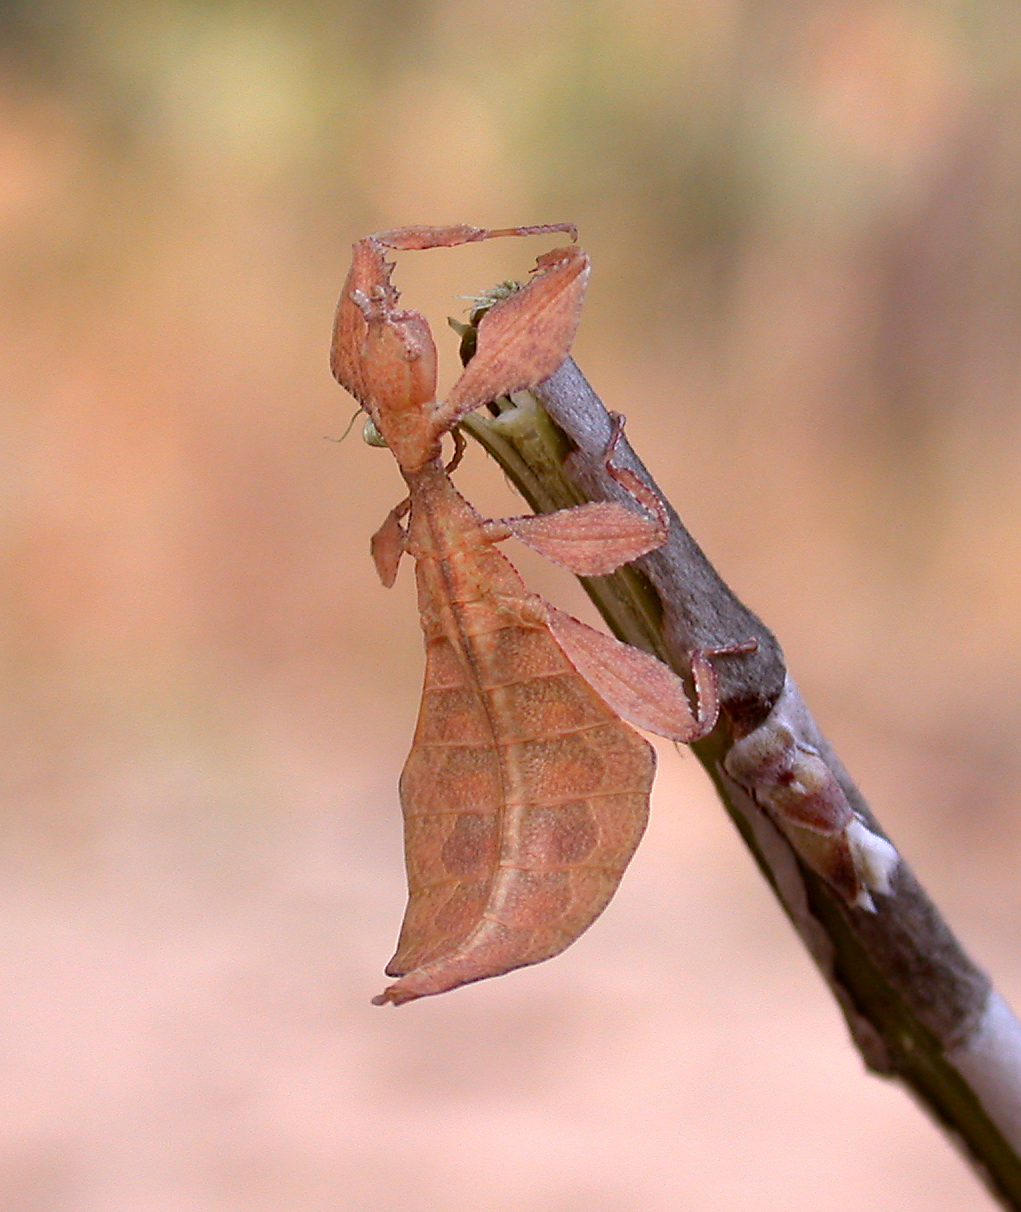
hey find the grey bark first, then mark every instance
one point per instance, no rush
(918, 1009)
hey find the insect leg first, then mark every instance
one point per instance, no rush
(388, 543)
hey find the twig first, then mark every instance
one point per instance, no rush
(917, 1008)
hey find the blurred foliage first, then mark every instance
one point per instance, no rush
(806, 297)
(676, 132)
(804, 214)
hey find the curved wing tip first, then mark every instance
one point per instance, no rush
(393, 996)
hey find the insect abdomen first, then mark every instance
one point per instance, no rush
(524, 798)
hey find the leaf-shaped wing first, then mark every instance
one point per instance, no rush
(524, 798)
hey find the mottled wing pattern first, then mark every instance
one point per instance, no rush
(524, 798)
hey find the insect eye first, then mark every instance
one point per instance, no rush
(371, 435)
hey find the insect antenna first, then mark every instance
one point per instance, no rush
(350, 426)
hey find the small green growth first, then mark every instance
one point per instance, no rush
(371, 435)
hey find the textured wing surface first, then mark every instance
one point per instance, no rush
(524, 798)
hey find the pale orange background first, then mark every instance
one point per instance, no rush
(804, 225)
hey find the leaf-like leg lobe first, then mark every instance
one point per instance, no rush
(523, 338)
(387, 545)
(637, 685)
(589, 540)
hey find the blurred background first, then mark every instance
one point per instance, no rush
(806, 297)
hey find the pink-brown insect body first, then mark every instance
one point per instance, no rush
(524, 795)
(393, 371)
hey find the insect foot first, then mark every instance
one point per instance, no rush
(787, 777)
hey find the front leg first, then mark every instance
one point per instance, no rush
(523, 338)
(369, 302)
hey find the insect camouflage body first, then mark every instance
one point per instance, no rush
(525, 793)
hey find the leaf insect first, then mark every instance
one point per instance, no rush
(525, 793)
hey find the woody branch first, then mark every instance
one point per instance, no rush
(918, 1009)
